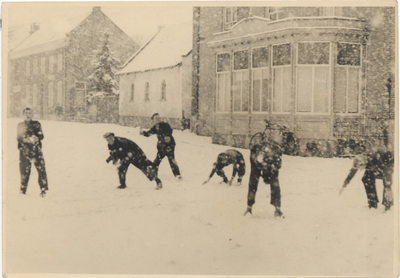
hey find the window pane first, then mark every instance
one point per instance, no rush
(349, 54)
(314, 53)
(237, 91)
(242, 12)
(353, 91)
(227, 93)
(241, 60)
(286, 89)
(281, 54)
(223, 62)
(321, 90)
(304, 89)
(264, 95)
(220, 92)
(245, 91)
(260, 57)
(340, 90)
(277, 95)
(256, 90)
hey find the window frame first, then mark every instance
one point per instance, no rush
(241, 71)
(35, 66)
(59, 62)
(51, 64)
(272, 74)
(147, 91)
(132, 93)
(28, 96)
(43, 65)
(261, 69)
(227, 73)
(313, 67)
(229, 24)
(59, 99)
(50, 92)
(163, 90)
(34, 95)
(347, 67)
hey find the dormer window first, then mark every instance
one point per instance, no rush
(274, 13)
(232, 15)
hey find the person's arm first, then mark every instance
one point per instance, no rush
(235, 170)
(39, 132)
(212, 173)
(151, 131)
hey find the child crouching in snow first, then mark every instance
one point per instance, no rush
(226, 158)
(266, 160)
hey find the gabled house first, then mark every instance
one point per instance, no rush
(326, 73)
(158, 78)
(48, 70)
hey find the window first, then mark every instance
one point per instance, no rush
(331, 11)
(35, 66)
(223, 82)
(260, 73)
(163, 90)
(241, 81)
(233, 15)
(60, 60)
(34, 96)
(282, 79)
(274, 12)
(147, 92)
(132, 96)
(313, 77)
(60, 93)
(43, 65)
(51, 64)
(80, 92)
(28, 68)
(347, 78)
(28, 97)
(50, 97)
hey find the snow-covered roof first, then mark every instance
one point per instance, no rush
(51, 32)
(164, 50)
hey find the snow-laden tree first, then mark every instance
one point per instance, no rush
(104, 67)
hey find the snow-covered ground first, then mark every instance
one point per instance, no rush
(86, 225)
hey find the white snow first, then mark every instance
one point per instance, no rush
(86, 225)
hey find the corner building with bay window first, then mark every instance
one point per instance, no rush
(326, 73)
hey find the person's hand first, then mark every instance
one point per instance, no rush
(34, 139)
(206, 181)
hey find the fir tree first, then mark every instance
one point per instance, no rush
(104, 66)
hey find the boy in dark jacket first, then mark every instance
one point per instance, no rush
(124, 152)
(226, 158)
(29, 137)
(379, 163)
(265, 159)
(165, 144)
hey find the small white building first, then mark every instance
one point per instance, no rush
(158, 78)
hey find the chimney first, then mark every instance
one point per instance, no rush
(160, 28)
(34, 28)
(96, 8)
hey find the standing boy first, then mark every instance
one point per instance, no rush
(29, 137)
(165, 144)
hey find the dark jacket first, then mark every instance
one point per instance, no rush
(123, 146)
(164, 133)
(27, 129)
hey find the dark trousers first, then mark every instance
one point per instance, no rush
(369, 180)
(141, 163)
(270, 177)
(167, 151)
(25, 162)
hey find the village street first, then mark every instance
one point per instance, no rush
(86, 225)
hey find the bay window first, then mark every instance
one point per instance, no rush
(313, 77)
(223, 82)
(281, 70)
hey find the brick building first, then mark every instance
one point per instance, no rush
(48, 69)
(326, 73)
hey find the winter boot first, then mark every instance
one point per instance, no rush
(23, 189)
(372, 204)
(159, 184)
(248, 210)
(43, 193)
(121, 187)
(278, 212)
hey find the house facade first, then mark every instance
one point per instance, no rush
(48, 70)
(158, 78)
(326, 73)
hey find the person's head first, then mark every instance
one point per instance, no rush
(155, 118)
(110, 137)
(27, 113)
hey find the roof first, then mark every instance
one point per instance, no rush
(164, 50)
(51, 32)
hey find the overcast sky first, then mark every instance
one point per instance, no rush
(137, 19)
